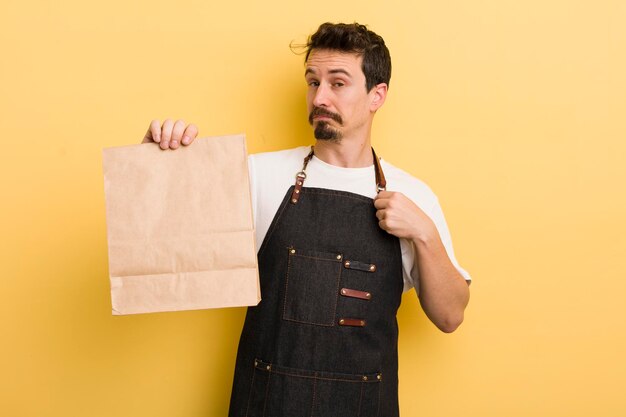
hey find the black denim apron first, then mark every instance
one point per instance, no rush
(323, 341)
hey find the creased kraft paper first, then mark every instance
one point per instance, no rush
(179, 227)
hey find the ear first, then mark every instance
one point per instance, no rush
(378, 96)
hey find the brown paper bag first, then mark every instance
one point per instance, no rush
(180, 228)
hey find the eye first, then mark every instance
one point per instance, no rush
(338, 84)
(313, 83)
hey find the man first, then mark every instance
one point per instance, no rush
(336, 249)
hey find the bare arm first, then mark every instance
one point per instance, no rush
(443, 293)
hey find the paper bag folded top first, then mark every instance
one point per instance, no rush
(179, 227)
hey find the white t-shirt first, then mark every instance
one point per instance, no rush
(272, 173)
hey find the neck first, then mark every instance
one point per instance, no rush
(345, 154)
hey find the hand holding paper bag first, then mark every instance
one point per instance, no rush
(180, 228)
(170, 134)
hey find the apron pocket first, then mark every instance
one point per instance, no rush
(312, 286)
(287, 392)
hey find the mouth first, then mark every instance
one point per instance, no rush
(322, 115)
(322, 118)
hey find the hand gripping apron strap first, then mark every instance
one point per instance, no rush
(381, 182)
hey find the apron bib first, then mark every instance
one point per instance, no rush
(323, 340)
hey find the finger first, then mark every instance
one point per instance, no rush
(177, 134)
(166, 133)
(381, 203)
(190, 134)
(380, 214)
(153, 132)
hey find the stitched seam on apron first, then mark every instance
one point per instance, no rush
(338, 193)
(315, 257)
(357, 380)
(267, 390)
(370, 200)
(334, 315)
(378, 408)
(286, 286)
(314, 392)
(309, 323)
(360, 399)
(250, 394)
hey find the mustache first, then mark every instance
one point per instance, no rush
(320, 111)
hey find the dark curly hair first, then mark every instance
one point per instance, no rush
(358, 39)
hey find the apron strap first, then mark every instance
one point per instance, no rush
(300, 177)
(381, 182)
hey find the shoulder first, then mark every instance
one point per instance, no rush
(286, 156)
(414, 188)
(268, 167)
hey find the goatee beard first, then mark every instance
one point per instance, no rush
(322, 129)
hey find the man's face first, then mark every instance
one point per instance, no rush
(337, 102)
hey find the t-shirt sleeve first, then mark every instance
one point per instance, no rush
(427, 201)
(436, 214)
(410, 267)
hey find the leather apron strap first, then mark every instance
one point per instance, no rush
(381, 182)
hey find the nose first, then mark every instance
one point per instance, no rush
(320, 97)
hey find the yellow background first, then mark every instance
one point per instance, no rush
(512, 111)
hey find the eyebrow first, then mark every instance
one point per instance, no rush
(332, 71)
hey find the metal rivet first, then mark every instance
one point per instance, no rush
(256, 363)
(297, 191)
(368, 295)
(343, 292)
(268, 367)
(342, 321)
(347, 264)
(292, 251)
(372, 268)
(294, 200)
(338, 257)
(364, 377)
(379, 377)
(299, 182)
(362, 323)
